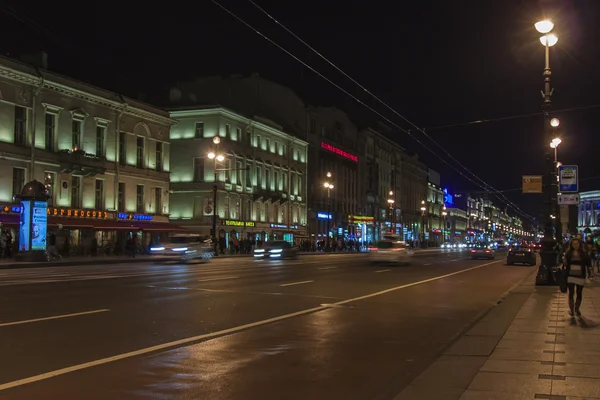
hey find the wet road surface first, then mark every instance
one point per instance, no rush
(324, 327)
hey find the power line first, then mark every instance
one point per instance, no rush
(508, 202)
(512, 205)
(518, 116)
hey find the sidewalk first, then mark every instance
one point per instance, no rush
(526, 347)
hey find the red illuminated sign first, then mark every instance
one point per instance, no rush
(339, 152)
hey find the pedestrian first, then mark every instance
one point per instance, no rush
(577, 263)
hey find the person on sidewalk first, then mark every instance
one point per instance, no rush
(577, 262)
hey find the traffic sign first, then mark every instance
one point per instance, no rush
(568, 178)
(532, 183)
(570, 199)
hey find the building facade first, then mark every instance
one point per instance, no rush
(414, 196)
(261, 180)
(435, 209)
(104, 158)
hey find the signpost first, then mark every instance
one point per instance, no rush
(532, 183)
(568, 179)
(568, 199)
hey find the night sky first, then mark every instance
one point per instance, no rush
(437, 63)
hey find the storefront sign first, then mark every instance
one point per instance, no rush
(339, 152)
(13, 209)
(448, 200)
(136, 217)
(69, 212)
(24, 224)
(241, 224)
(280, 226)
(323, 215)
(360, 219)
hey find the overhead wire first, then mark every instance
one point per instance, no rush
(512, 205)
(487, 186)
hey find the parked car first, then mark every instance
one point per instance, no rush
(482, 251)
(391, 250)
(522, 254)
(184, 247)
(276, 249)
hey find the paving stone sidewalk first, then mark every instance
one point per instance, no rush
(527, 347)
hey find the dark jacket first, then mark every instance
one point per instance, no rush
(585, 264)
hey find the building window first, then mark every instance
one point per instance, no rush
(159, 156)
(238, 172)
(122, 148)
(276, 179)
(248, 211)
(257, 144)
(258, 176)
(248, 177)
(121, 197)
(139, 199)
(76, 191)
(99, 198)
(199, 169)
(49, 180)
(158, 200)
(199, 130)
(100, 140)
(227, 130)
(268, 178)
(18, 180)
(50, 131)
(76, 127)
(139, 152)
(20, 125)
(267, 211)
(284, 177)
(238, 132)
(226, 204)
(268, 144)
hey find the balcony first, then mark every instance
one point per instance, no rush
(81, 163)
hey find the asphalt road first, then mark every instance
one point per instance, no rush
(320, 327)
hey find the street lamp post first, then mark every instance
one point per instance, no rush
(548, 253)
(444, 214)
(392, 219)
(423, 208)
(216, 157)
(554, 144)
(329, 186)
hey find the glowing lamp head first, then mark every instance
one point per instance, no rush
(391, 193)
(216, 140)
(211, 155)
(554, 122)
(220, 158)
(555, 142)
(549, 40)
(544, 26)
(329, 174)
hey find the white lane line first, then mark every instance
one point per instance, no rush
(27, 321)
(192, 339)
(454, 260)
(220, 278)
(296, 283)
(383, 270)
(427, 264)
(324, 268)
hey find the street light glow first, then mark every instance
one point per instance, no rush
(554, 122)
(550, 38)
(220, 158)
(555, 142)
(211, 155)
(216, 140)
(329, 174)
(391, 193)
(544, 26)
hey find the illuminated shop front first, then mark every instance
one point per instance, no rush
(362, 228)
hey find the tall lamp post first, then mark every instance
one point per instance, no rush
(329, 186)
(554, 145)
(444, 214)
(392, 219)
(216, 157)
(423, 208)
(548, 253)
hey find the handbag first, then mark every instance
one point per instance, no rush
(561, 279)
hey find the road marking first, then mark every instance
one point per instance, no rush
(221, 278)
(324, 268)
(383, 270)
(427, 264)
(27, 321)
(223, 332)
(454, 260)
(296, 283)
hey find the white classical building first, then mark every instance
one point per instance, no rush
(261, 179)
(103, 157)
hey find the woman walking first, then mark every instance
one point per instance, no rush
(577, 263)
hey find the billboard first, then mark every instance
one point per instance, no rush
(39, 225)
(24, 224)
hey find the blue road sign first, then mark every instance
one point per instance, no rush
(568, 178)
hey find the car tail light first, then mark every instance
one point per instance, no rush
(397, 249)
(473, 251)
(373, 248)
(529, 250)
(510, 250)
(487, 251)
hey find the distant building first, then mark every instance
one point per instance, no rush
(261, 182)
(104, 158)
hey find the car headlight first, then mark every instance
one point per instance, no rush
(275, 251)
(157, 248)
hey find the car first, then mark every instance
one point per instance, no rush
(521, 254)
(391, 250)
(482, 251)
(276, 249)
(184, 247)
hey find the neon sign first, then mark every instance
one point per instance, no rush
(339, 152)
(448, 200)
(137, 217)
